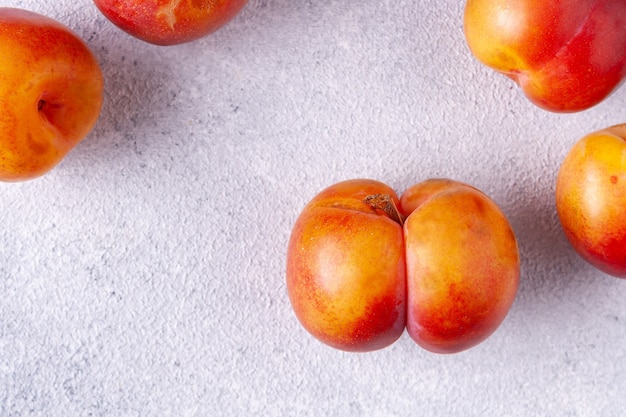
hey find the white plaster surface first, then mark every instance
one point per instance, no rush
(144, 276)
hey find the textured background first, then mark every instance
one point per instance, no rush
(144, 276)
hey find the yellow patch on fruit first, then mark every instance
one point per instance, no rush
(168, 12)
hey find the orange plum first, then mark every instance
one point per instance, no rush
(591, 196)
(170, 22)
(358, 272)
(51, 90)
(566, 55)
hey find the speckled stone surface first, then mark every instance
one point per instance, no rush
(144, 276)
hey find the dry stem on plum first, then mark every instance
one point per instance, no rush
(385, 203)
